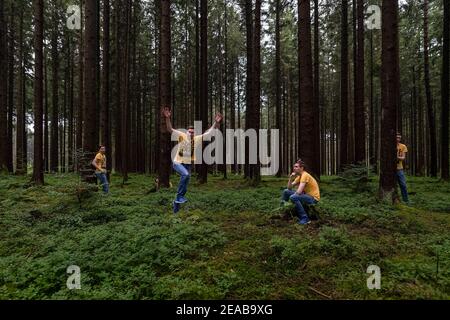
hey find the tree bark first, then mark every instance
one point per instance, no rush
(105, 101)
(54, 137)
(165, 92)
(344, 87)
(309, 146)
(203, 168)
(90, 125)
(3, 92)
(360, 118)
(445, 94)
(390, 91)
(430, 112)
(278, 71)
(38, 170)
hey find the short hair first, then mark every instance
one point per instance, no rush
(191, 127)
(301, 163)
(101, 146)
(399, 134)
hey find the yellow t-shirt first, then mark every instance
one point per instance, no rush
(401, 148)
(312, 187)
(187, 148)
(100, 159)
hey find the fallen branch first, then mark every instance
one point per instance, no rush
(320, 293)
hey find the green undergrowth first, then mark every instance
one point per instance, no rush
(224, 243)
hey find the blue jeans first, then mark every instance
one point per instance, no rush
(184, 170)
(299, 201)
(104, 181)
(401, 178)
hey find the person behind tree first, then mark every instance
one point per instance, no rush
(100, 168)
(188, 144)
(306, 192)
(402, 150)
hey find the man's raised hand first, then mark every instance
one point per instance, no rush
(219, 118)
(166, 112)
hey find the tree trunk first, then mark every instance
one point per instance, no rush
(320, 141)
(445, 94)
(309, 146)
(344, 87)
(54, 138)
(203, 168)
(278, 71)
(3, 92)
(390, 85)
(249, 83)
(90, 127)
(38, 170)
(104, 114)
(254, 114)
(80, 110)
(430, 111)
(360, 118)
(165, 91)
(125, 101)
(21, 146)
(10, 55)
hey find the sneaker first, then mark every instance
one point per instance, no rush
(181, 200)
(304, 221)
(176, 207)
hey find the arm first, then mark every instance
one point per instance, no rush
(301, 188)
(291, 181)
(216, 124)
(401, 156)
(95, 164)
(166, 113)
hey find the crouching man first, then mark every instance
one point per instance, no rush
(307, 191)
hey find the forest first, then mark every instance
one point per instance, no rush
(338, 80)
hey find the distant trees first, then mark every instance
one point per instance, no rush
(260, 68)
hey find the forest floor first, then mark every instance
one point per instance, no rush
(223, 244)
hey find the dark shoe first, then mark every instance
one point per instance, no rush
(304, 221)
(176, 207)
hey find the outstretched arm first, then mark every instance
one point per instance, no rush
(216, 124)
(166, 113)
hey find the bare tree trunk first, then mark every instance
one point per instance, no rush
(165, 92)
(430, 111)
(54, 137)
(390, 90)
(445, 93)
(309, 146)
(203, 169)
(344, 87)
(105, 101)
(360, 118)
(90, 125)
(3, 92)
(278, 71)
(38, 170)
